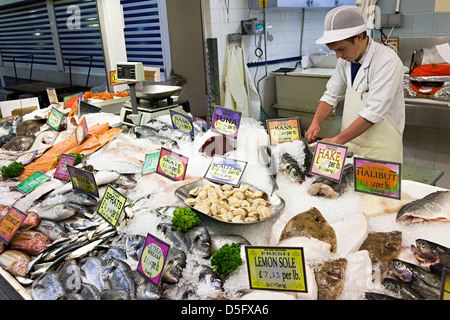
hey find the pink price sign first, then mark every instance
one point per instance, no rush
(329, 160)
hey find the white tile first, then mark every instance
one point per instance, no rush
(444, 182)
(425, 158)
(442, 161)
(427, 139)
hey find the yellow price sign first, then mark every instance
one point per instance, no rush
(276, 268)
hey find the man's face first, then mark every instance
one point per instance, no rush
(347, 50)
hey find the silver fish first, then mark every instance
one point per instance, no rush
(89, 292)
(290, 166)
(82, 251)
(52, 229)
(91, 272)
(145, 290)
(70, 274)
(433, 207)
(145, 132)
(119, 276)
(431, 252)
(200, 241)
(48, 287)
(55, 213)
(177, 237)
(114, 294)
(175, 263)
(402, 289)
(211, 278)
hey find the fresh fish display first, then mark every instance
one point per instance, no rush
(30, 127)
(118, 275)
(175, 263)
(53, 230)
(20, 143)
(210, 278)
(168, 131)
(48, 287)
(310, 224)
(176, 237)
(200, 241)
(56, 212)
(431, 253)
(322, 186)
(31, 221)
(148, 133)
(402, 289)
(290, 166)
(268, 160)
(433, 207)
(425, 283)
(382, 248)
(70, 274)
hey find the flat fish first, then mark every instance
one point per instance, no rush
(433, 207)
(382, 248)
(330, 278)
(332, 189)
(20, 143)
(312, 224)
(48, 287)
(29, 127)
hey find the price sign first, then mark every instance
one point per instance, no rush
(83, 180)
(32, 182)
(153, 259)
(26, 158)
(81, 131)
(52, 96)
(61, 171)
(445, 287)
(112, 205)
(226, 121)
(329, 160)
(182, 122)
(276, 268)
(225, 170)
(150, 163)
(172, 165)
(11, 223)
(54, 119)
(377, 177)
(283, 130)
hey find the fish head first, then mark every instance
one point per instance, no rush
(423, 251)
(401, 270)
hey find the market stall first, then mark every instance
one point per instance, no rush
(73, 245)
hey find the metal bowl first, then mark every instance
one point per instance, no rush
(277, 204)
(157, 92)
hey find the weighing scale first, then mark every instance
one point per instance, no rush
(149, 102)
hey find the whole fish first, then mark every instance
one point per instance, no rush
(422, 281)
(379, 296)
(402, 289)
(145, 290)
(20, 143)
(145, 132)
(211, 278)
(267, 159)
(119, 276)
(290, 166)
(15, 262)
(89, 292)
(200, 241)
(168, 131)
(75, 197)
(433, 207)
(175, 263)
(56, 212)
(134, 245)
(330, 189)
(70, 274)
(29, 241)
(177, 237)
(309, 156)
(31, 221)
(29, 127)
(52, 229)
(114, 294)
(91, 272)
(219, 240)
(430, 252)
(82, 251)
(48, 287)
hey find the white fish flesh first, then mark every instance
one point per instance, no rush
(25, 203)
(351, 231)
(373, 205)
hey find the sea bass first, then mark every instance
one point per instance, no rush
(290, 166)
(433, 207)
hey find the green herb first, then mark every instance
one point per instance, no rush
(227, 259)
(78, 157)
(12, 170)
(184, 218)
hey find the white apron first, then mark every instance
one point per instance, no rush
(381, 141)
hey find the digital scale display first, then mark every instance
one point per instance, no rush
(126, 72)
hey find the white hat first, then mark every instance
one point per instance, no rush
(342, 23)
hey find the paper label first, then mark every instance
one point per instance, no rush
(182, 122)
(83, 180)
(153, 259)
(226, 121)
(225, 170)
(276, 268)
(112, 205)
(32, 182)
(62, 172)
(54, 119)
(52, 96)
(172, 165)
(283, 130)
(329, 160)
(11, 223)
(26, 158)
(81, 131)
(377, 177)
(150, 163)
(445, 287)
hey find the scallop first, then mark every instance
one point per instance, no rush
(214, 209)
(240, 212)
(227, 187)
(194, 192)
(237, 219)
(244, 187)
(204, 208)
(239, 194)
(202, 195)
(190, 201)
